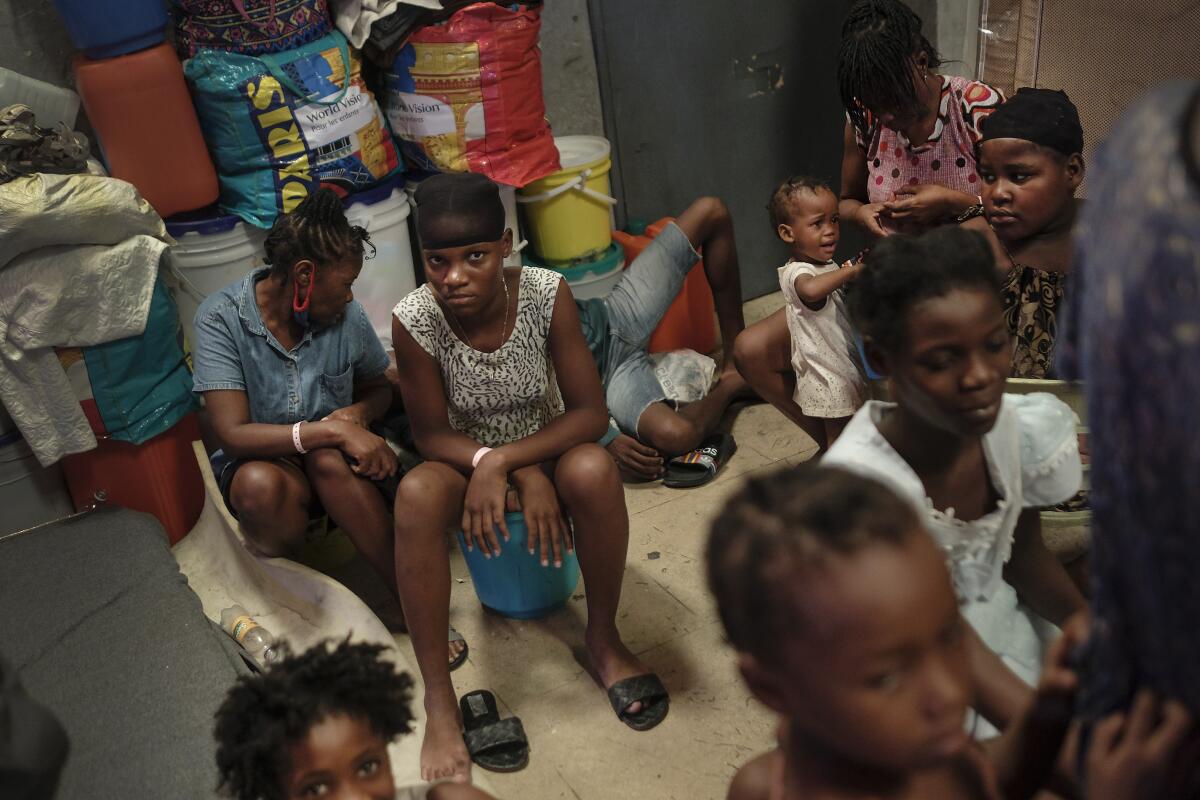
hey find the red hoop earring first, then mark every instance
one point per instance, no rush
(298, 306)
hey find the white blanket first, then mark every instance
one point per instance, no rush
(67, 296)
(355, 17)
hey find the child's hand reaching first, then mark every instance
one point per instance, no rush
(1027, 754)
(1059, 679)
(867, 215)
(1132, 756)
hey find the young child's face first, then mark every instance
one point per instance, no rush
(341, 757)
(952, 366)
(813, 227)
(1026, 189)
(465, 278)
(877, 673)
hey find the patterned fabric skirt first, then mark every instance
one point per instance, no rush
(1031, 299)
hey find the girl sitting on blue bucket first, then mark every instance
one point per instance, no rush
(500, 388)
(975, 462)
(830, 385)
(292, 376)
(318, 724)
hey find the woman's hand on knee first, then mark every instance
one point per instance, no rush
(370, 454)
(549, 535)
(483, 507)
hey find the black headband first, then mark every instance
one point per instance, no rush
(457, 209)
(1046, 117)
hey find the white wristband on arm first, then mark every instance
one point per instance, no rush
(296, 438)
(480, 453)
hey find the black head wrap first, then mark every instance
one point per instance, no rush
(1046, 117)
(457, 209)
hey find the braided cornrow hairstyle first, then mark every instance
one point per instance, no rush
(781, 199)
(316, 230)
(781, 524)
(264, 714)
(881, 40)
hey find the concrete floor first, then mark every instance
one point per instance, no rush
(578, 748)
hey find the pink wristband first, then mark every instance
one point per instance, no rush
(480, 453)
(296, 438)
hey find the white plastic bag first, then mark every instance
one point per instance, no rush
(685, 375)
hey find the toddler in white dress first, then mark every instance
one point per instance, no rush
(830, 385)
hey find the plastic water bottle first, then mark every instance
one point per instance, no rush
(254, 638)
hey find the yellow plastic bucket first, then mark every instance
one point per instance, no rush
(568, 214)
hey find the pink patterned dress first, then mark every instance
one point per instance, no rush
(947, 158)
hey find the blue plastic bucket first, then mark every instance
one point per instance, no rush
(109, 28)
(515, 584)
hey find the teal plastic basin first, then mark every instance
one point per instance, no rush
(515, 584)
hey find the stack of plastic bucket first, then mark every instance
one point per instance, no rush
(390, 275)
(568, 216)
(133, 90)
(212, 250)
(590, 279)
(515, 583)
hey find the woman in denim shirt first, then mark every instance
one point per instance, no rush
(292, 376)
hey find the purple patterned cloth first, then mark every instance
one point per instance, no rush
(1132, 333)
(250, 27)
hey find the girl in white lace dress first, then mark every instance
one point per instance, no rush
(976, 462)
(501, 390)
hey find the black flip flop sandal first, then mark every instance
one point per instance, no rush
(495, 744)
(460, 659)
(648, 690)
(702, 464)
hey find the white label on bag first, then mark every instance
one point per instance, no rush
(345, 118)
(415, 116)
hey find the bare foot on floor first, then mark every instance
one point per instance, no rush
(613, 662)
(443, 752)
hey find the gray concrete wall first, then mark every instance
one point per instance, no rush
(33, 41)
(569, 69)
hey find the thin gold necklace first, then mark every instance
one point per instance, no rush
(503, 326)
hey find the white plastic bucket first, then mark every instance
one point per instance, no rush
(30, 494)
(212, 252)
(389, 276)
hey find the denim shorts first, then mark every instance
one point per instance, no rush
(636, 305)
(225, 467)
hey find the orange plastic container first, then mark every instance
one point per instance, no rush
(159, 476)
(141, 110)
(689, 322)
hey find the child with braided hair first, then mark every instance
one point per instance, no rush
(292, 376)
(319, 724)
(845, 621)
